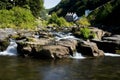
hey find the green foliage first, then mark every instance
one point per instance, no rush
(17, 18)
(34, 5)
(78, 6)
(41, 22)
(85, 32)
(62, 22)
(101, 13)
(44, 14)
(58, 21)
(5, 4)
(83, 21)
(53, 18)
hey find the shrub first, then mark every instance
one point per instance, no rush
(85, 32)
(58, 21)
(17, 18)
(83, 21)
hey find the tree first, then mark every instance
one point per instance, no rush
(5, 4)
(34, 5)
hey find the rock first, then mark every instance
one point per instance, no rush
(53, 51)
(45, 48)
(5, 33)
(26, 48)
(109, 44)
(44, 34)
(99, 33)
(71, 44)
(94, 33)
(113, 38)
(3, 44)
(89, 49)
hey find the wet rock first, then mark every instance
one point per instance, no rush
(3, 44)
(53, 51)
(89, 49)
(70, 43)
(109, 44)
(45, 48)
(27, 48)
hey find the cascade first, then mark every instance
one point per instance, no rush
(77, 56)
(11, 49)
(61, 35)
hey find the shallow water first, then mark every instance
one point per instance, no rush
(103, 68)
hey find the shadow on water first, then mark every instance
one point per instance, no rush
(104, 68)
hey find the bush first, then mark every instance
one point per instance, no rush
(83, 21)
(17, 18)
(85, 32)
(58, 21)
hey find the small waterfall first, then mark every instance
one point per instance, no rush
(61, 35)
(11, 49)
(112, 55)
(77, 56)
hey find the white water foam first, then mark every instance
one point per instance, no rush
(61, 35)
(11, 49)
(77, 56)
(112, 55)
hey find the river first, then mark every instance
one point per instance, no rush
(16, 68)
(73, 68)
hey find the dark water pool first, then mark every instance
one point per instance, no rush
(104, 68)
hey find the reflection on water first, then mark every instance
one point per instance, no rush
(103, 68)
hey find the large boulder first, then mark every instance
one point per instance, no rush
(45, 48)
(89, 49)
(109, 44)
(26, 48)
(53, 51)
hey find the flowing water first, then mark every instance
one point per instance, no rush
(74, 68)
(11, 49)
